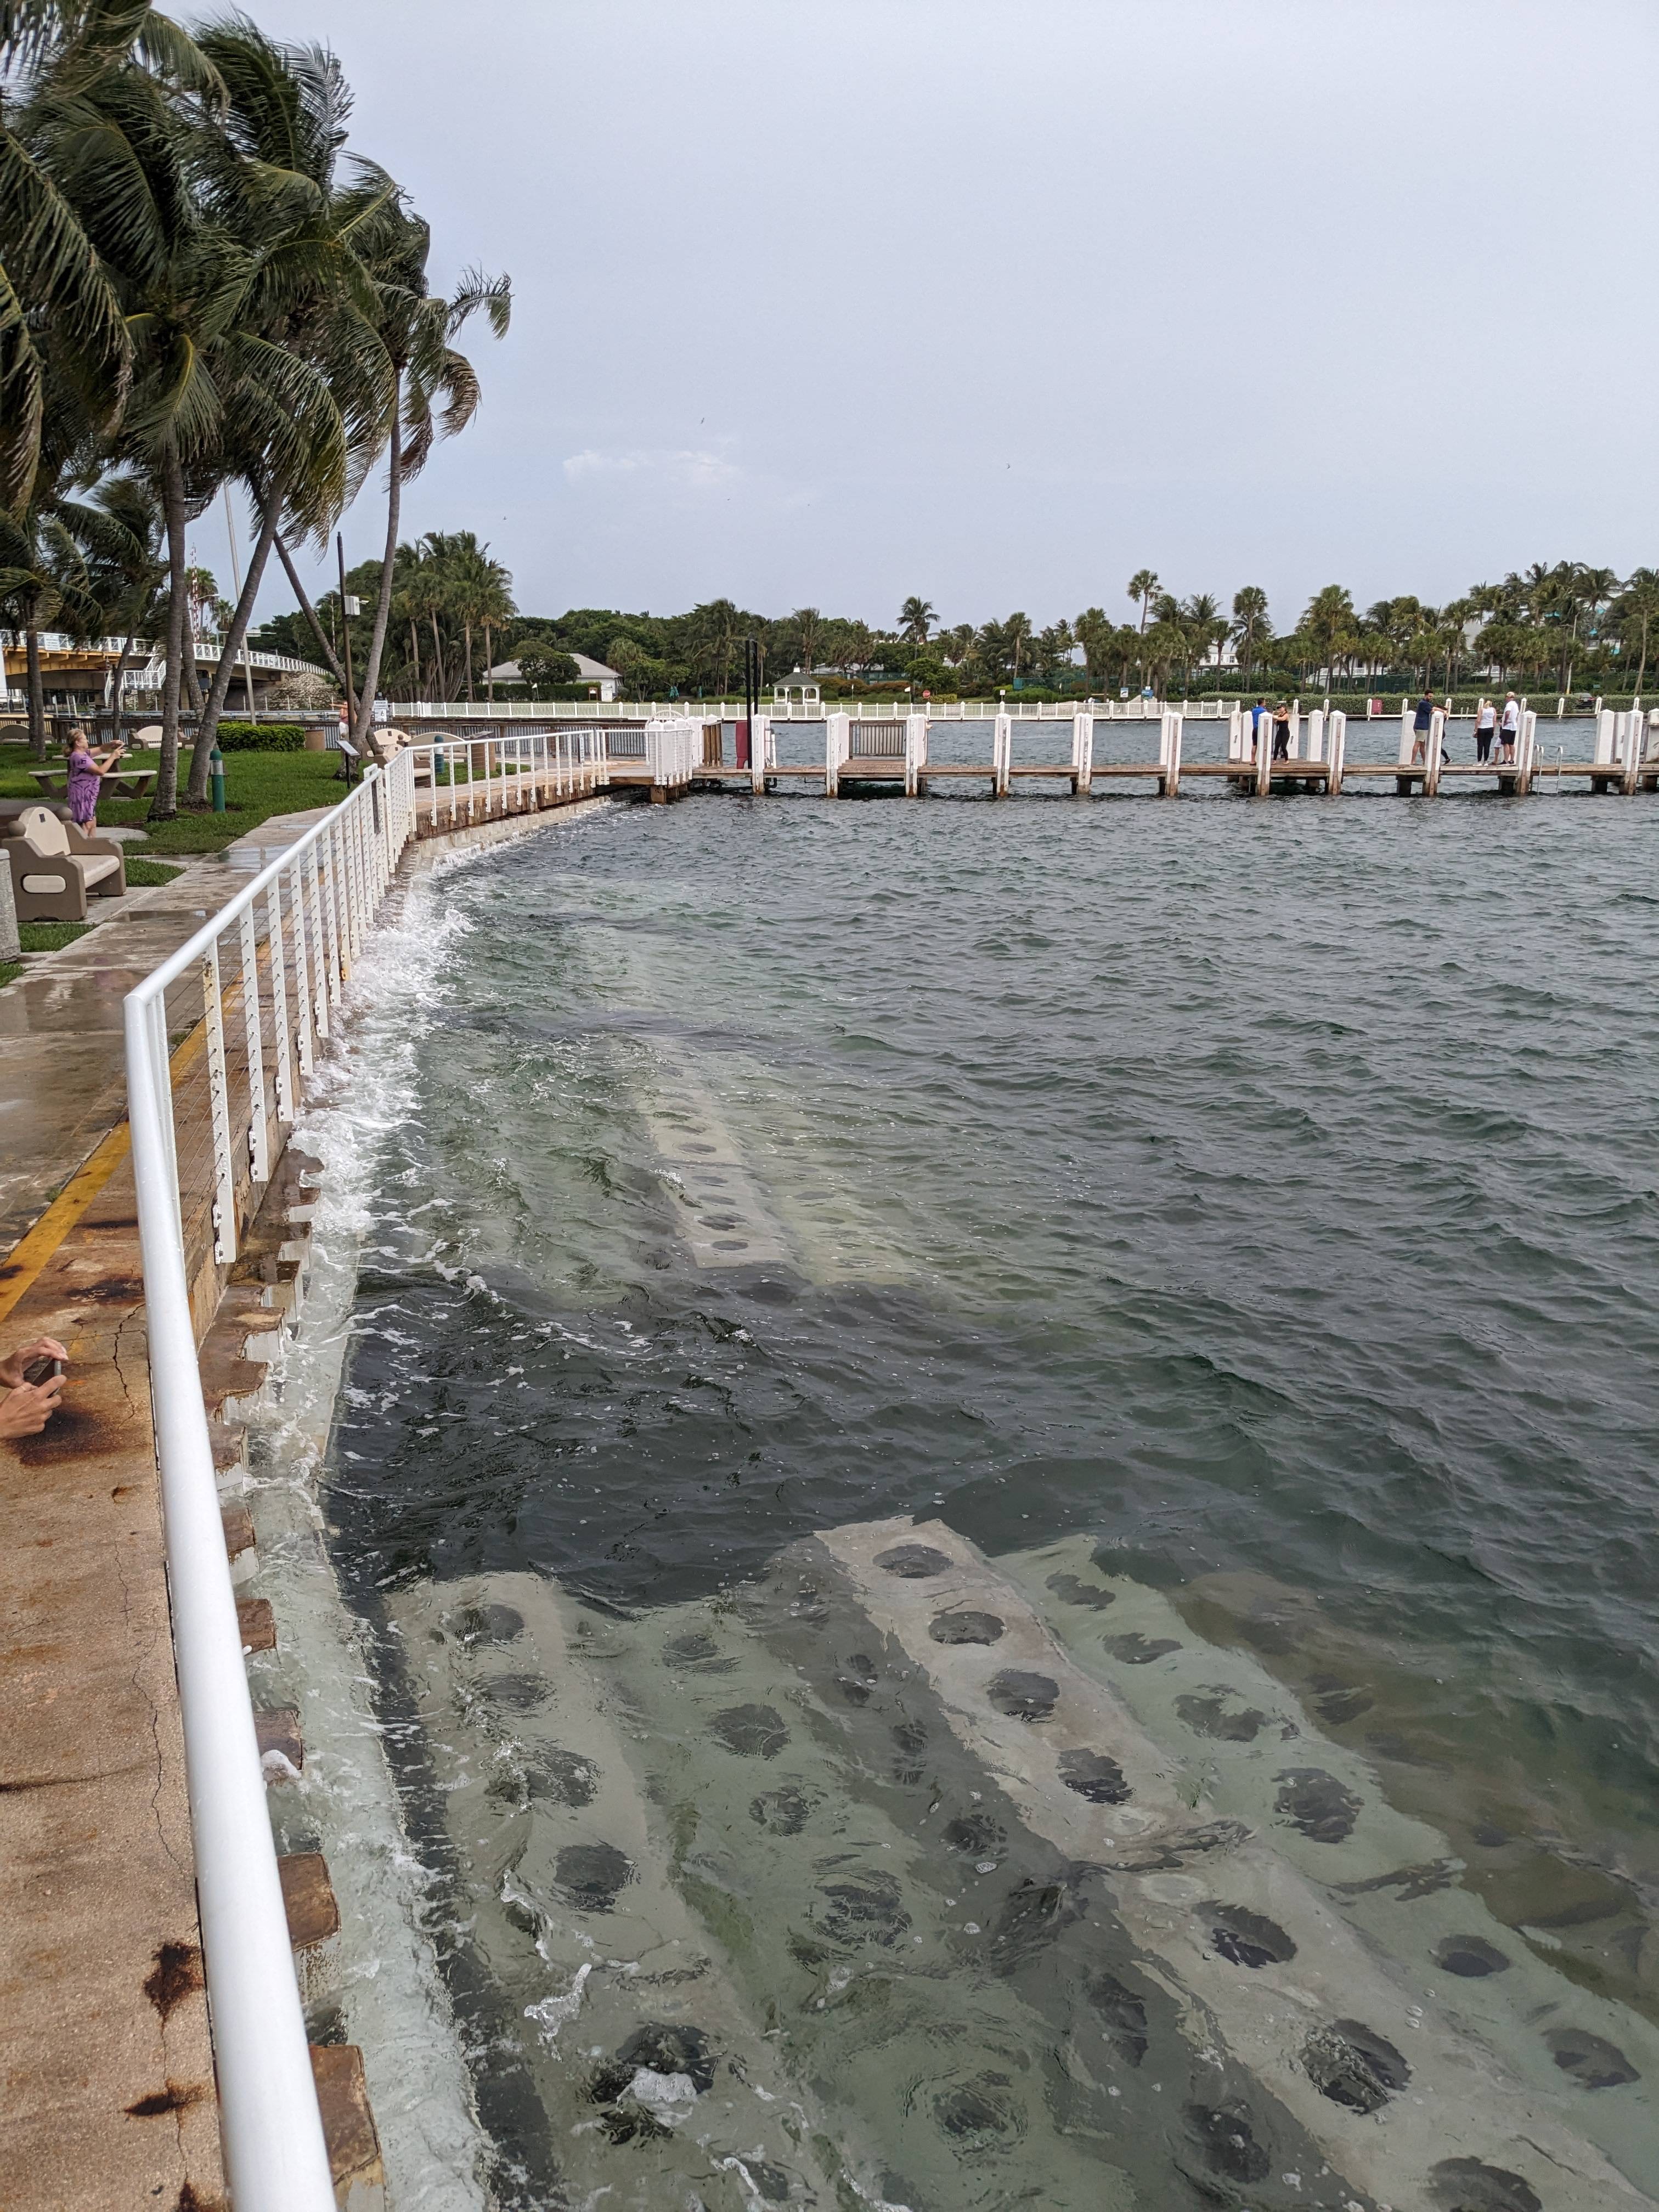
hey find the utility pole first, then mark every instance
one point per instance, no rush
(348, 607)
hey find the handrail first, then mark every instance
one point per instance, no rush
(276, 2157)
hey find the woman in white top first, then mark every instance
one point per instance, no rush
(1486, 721)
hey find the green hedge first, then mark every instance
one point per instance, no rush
(261, 736)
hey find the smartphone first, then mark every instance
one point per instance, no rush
(44, 1370)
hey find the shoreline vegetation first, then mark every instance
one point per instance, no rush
(206, 288)
(1570, 631)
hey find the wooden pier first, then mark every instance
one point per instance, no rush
(472, 773)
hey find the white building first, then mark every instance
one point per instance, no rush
(587, 671)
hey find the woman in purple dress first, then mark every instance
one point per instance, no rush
(86, 771)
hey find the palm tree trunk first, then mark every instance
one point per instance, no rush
(192, 680)
(438, 658)
(489, 665)
(383, 603)
(415, 652)
(467, 627)
(230, 645)
(1642, 664)
(37, 690)
(308, 610)
(164, 804)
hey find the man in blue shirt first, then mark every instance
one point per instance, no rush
(1422, 723)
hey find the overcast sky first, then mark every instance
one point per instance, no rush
(828, 302)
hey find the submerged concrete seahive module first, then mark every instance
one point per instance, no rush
(872, 1883)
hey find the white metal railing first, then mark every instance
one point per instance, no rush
(673, 750)
(797, 710)
(479, 779)
(307, 913)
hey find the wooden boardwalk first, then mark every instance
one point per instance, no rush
(1306, 755)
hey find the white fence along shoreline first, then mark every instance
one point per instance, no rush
(271, 967)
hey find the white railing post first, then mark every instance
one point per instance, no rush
(296, 904)
(1082, 754)
(1337, 742)
(279, 1000)
(330, 971)
(1169, 753)
(915, 753)
(224, 1184)
(837, 739)
(258, 1154)
(760, 737)
(1002, 753)
(1432, 752)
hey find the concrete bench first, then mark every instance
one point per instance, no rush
(55, 865)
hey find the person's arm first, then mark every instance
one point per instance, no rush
(25, 1411)
(11, 1367)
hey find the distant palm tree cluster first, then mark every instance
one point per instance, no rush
(1555, 627)
(200, 287)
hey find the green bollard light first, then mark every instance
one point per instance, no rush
(216, 769)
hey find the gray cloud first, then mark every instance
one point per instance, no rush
(833, 300)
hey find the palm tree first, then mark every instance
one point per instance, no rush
(1142, 586)
(436, 388)
(1250, 624)
(477, 591)
(44, 579)
(715, 629)
(807, 621)
(1634, 612)
(916, 618)
(59, 308)
(1331, 627)
(1163, 646)
(1201, 618)
(270, 173)
(126, 540)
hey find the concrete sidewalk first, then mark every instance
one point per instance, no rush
(61, 1082)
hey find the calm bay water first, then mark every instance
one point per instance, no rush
(1266, 1193)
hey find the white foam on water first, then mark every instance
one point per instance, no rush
(387, 1987)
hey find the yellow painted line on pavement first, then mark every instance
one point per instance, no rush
(23, 1264)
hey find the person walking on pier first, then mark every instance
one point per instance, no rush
(1282, 730)
(1422, 723)
(1485, 722)
(1508, 727)
(1258, 716)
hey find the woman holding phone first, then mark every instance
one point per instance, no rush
(86, 771)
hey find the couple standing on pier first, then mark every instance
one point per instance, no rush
(1280, 717)
(1489, 722)
(1507, 727)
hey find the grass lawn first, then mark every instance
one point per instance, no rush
(49, 936)
(257, 785)
(143, 875)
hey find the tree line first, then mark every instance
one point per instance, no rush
(201, 286)
(453, 617)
